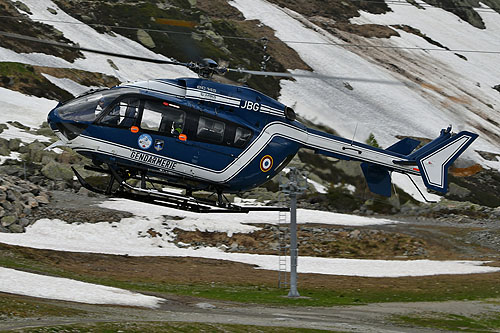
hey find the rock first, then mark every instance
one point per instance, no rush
(6, 205)
(457, 190)
(215, 38)
(349, 168)
(112, 64)
(355, 234)
(52, 11)
(32, 203)
(19, 125)
(86, 19)
(234, 246)
(8, 220)
(57, 171)
(4, 147)
(192, 3)
(145, 39)
(21, 6)
(196, 37)
(45, 132)
(42, 199)
(14, 144)
(16, 228)
(12, 196)
(34, 151)
(2, 212)
(205, 306)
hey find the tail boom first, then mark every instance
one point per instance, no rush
(431, 162)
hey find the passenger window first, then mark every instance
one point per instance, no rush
(241, 136)
(123, 114)
(163, 118)
(151, 120)
(211, 130)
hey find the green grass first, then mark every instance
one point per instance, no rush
(452, 322)
(374, 291)
(156, 327)
(19, 307)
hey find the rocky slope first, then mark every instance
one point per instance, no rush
(187, 30)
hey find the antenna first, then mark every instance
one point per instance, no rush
(355, 130)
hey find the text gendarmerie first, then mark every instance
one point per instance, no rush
(159, 162)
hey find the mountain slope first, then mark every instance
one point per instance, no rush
(422, 47)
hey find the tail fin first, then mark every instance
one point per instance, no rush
(434, 159)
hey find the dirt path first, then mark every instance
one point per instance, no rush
(365, 318)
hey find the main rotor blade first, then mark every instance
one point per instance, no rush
(78, 48)
(312, 75)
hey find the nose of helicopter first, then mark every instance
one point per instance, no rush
(63, 128)
(52, 119)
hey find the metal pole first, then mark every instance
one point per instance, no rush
(293, 246)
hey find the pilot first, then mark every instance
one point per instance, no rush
(177, 126)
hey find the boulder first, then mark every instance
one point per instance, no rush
(145, 39)
(23, 7)
(4, 147)
(19, 125)
(14, 144)
(8, 220)
(57, 171)
(33, 152)
(16, 228)
(215, 38)
(458, 191)
(6, 205)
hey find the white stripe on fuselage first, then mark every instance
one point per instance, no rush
(169, 88)
(275, 129)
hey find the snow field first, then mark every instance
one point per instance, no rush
(130, 237)
(35, 285)
(390, 110)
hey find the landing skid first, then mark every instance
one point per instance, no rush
(168, 199)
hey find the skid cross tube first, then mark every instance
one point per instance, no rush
(167, 199)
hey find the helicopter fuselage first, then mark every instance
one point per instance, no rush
(199, 134)
(226, 139)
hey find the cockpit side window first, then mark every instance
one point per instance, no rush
(122, 114)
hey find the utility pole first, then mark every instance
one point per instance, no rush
(297, 184)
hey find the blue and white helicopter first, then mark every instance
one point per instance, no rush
(196, 134)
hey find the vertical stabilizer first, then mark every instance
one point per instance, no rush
(434, 163)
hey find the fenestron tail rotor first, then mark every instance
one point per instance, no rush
(205, 68)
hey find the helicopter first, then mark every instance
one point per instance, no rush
(196, 134)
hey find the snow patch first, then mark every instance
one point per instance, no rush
(35, 285)
(69, 85)
(130, 236)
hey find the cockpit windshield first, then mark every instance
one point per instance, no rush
(87, 107)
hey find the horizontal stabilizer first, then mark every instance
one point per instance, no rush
(377, 178)
(405, 146)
